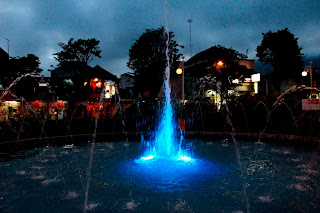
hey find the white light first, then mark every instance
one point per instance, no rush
(12, 102)
(255, 77)
(304, 73)
(235, 81)
(184, 158)
(148, 157)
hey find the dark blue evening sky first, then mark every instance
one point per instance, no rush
(36, 26)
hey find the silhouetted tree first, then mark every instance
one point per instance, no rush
(281, 50)
(22, 65)
(147, 58)
(78, 50)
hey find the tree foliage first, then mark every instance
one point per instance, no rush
(281, 50)
(147, 58)
(78, 50)
(23, 65)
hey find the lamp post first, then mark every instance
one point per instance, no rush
(305, 72)
(180, 71)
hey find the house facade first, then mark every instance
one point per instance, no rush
(222, 65)
(127, 85)
(80, 83)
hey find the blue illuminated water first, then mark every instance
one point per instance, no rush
(53, 179)
(164, 137)
(165, 143)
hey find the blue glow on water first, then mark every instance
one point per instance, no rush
(165, 174)
(185, 158)
(182, 158)
(148, 157)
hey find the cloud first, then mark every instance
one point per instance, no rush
(37, 26)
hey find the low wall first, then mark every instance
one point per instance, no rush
(82, 139)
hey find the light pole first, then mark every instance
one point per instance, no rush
(305, 72)
(180, 71)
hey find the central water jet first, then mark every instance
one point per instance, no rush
(164, 144)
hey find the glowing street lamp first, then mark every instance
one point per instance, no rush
(306, 70)
(304, 73)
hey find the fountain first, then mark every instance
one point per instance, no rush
(202, 174)
(278, 178)
(164, 142)
(164, 172)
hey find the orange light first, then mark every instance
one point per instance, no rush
(179, 71)
(220, 63)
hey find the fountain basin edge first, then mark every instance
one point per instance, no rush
(30, 143)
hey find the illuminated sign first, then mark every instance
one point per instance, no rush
(39, 104)
(255, 87)
(58, 104)
(255, 77)
(310, 104)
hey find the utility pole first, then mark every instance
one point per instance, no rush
(183, 95)
(190, 21)
(310, 70)
(267, 85)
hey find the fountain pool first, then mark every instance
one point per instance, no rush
(279, 179)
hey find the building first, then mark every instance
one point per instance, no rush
(225, 65)
(127, 81)
(77, 82)
(74, 81)
(127, 85)
(4, 57)
(4, 61)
